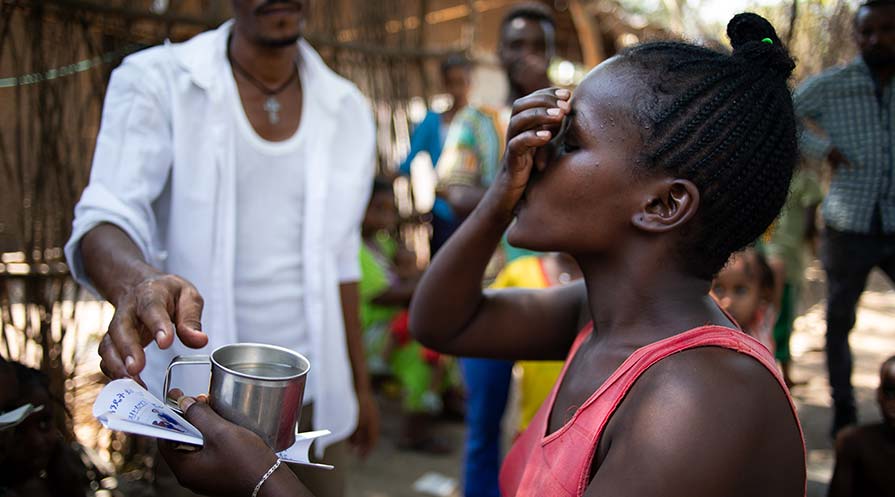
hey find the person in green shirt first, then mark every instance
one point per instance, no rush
(786, 251)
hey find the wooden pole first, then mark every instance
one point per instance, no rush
(471, 26)
(589, 37)
(793, 16)
(421, 63)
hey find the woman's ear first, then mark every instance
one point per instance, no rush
(668, 204)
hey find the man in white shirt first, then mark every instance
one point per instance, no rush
(230, 177)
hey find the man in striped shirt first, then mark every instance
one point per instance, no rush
(853, 108)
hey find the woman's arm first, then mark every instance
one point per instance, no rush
(397, 294)
(450, 312)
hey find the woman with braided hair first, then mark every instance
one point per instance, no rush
(669, 158)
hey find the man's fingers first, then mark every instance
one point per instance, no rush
(139, 381)
(111, 364)
(154, 317)
(188, 318)
(125, 340)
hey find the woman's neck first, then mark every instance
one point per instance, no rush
(634, 302)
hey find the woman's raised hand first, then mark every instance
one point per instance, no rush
(535, 120)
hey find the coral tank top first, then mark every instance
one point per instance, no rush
(560, 464)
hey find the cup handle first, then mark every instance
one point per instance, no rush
(181, 360)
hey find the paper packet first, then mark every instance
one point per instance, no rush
(124, 405)
(12, 418)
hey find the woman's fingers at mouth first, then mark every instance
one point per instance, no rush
(528, 140)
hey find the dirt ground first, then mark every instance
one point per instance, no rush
(872, 341)
(390, 472)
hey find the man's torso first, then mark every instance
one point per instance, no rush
(268, 279)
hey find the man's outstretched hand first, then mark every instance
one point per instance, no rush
(155, 309)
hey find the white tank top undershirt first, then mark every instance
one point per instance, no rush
(268, 277)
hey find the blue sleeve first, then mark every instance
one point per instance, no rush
(420, 139)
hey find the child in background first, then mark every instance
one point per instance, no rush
(388, 279)
(865, 455)
(745, 289)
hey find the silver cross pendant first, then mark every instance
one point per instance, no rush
(272, 106)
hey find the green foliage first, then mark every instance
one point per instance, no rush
(821, 35)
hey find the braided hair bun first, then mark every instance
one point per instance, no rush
(755, 40)
(724, 121)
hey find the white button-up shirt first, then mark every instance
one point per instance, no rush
(164, 172)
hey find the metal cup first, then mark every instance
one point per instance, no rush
(259, 387)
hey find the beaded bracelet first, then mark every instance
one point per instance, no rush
(265, 477)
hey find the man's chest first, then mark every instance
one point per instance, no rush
(272, 117)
